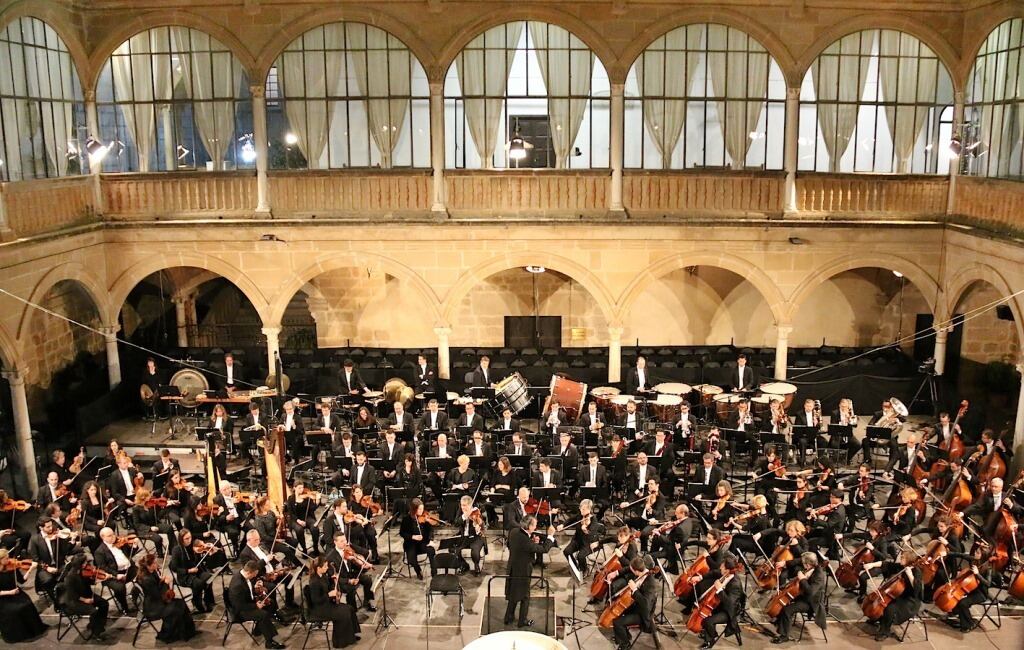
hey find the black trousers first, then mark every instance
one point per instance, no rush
(263, 619)
(784, 623)
(524, 608)
(476, 547)
(620, 628)
(963, 608)
(413, 550)
(97, 613)
(350, 589)
(119, 591)
(711, 623)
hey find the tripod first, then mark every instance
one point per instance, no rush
(933, 393)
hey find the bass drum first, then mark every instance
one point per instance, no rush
(512, 393)
(570, 395)
(191, 383)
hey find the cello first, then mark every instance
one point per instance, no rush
(709, 601)
(929, 561)
(949, 595)
(891, 588)
(620, 603)
(848, 571)
(765, 574)
(700, 567)
(599, 585)
(783, 597)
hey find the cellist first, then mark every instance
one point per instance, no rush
(908, 603)
(730, 596)
(641, 612)
(718, 549)
(625, 550)
(987, 506)
(880, 547)
(961, 617)
(810, 600)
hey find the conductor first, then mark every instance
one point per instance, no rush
(522, 549)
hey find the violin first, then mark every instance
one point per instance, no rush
(76, 464)
(355, 517)
(599, 585)
(91, 572)
(12, 504)
(11, 564)
(765, 574)
(783, 597)
(710, 601)
(535, 507)
(245, 497)
(204, 510)
(126, 540)
(477, 518)
(371, 506)
(778, 467)
(875, 602)
(74, 516)
(428, 518)
(824, 510)
(351, 556)
(199, 546)
(622, 601)
(155, 502)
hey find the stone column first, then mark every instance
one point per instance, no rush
(617, 113)
(615, 354)
(113, 358)
(92, 127)
(6, 233)
(23, 428)
(170, 151)
(443, 352)
(792, 145)
(180, 319)
(261, 144)
(782, 350)
(273, 335)
(941, 335)
(1018, 427)
(954, 162)
(437, 147)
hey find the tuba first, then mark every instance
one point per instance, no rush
(396, 390)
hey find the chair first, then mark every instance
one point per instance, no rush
(806, 617)
(143, 620)
(987, 607)
(446, 582)
(310, 622)
(906, 627)
(231, 617)
(62, 615)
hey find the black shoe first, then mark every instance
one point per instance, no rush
(419, 575)
(706, 645)
(527, 623)
(476, 572)
(781, 639)
(274, 645)
(370, 607)
(507, 621)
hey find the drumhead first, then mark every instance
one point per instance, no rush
(709, 389)
(729, 398)
(778, 388)
(672, 388)
(605, 391)
(669, 400)
(622, 399)
(371, 394)
(190, 382)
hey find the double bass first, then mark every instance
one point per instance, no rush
(709, 601)
(891, 588)
(955, 446)
(620, 603)
(599, 586)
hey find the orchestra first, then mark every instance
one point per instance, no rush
(702, 495)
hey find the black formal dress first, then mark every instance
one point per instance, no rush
(345, 624)
(19, 619)
(177, 620)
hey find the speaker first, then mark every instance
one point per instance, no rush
(1003, 312)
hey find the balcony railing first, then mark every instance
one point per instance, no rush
(994, 204)
(46, 205)
(179, 194)
(351, 193)
(702, 194)
(521, 193)
(872, 196)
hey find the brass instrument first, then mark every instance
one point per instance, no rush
(395, 389)
(892, 420)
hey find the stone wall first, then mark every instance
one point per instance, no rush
(986, 337)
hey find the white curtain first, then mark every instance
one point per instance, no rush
(566, 65)
(737, 74)
(906, 79)
(141, 79)
(381, 73)
(842, 79)
(313, 75)
(483, 68)
(211, 79)
(664, 78)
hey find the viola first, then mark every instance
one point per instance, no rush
(245, 497)
(199, 546)
(204, 510)
(848, 572)
(11, 564)
(875, 602)
(599, 585)
(709, 602)
(825, 509)
(535, 507)
(12, 504)
(74, 516)
(155, 502)
(622, 601)
(783, 597)
(351, 517)
(765, 574)
(778, 467)
(126, 540)
(350, 555)
(91, 572)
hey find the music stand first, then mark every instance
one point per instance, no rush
(481, 392)
(877, 437)
(481, 464)
(571, 624)
(519, 461)
(809, 437)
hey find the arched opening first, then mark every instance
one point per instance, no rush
(68, 363)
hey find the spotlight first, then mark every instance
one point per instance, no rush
(116, 147)
(291, 139)
(517, 148)
(797, 241)
(248, 153)
(956, 147)
(96, 150)
(182, 152)
(535, 269)
(897, 274)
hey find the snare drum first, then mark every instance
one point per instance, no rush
(785, 391)
(619, 406)
(708, 393)
(666, 407)
(570, 395)
(725, 405)
(513, 393)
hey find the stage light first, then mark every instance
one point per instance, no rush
(897, 274)
(535, 269)
(956, 147)
(291, 139)
(517, 148)
(248, 153)
(97, 150)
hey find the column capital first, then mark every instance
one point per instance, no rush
(436, 88)
(89, 96)
(443, 332)
(784, 330)
(618, 89)
(942, 332)
(793, 94)
(110, 331)
(271, 331)
(615, 332)
(14, 377)
(258, 91)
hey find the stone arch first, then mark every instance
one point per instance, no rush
(57, 18)
(338, 13)
(974, 39)
(333, 262)
(717, 15)
(575, 271)
(977, 272)
(72, 272)
(131, 276)
(745, 269)
(590, 36)
(920, 278)
(947, 53)
(10, 359)
(161, 18)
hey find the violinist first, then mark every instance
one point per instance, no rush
(718, 543)
(58, 465)
(767, 470)
(191, 568)
(755, 520)
(524, 544)
(266, 521)
(51, 552)
(249, 606)
(147, 523)
(364, 506)
(586, 537)
(343, 521)
(707, 477)
(722, 508)
(826, 522)
(179, 512)
(408, 477)
(121, 482)
(159, 602)
(230, 512)
(80, 599)
(271, 570)
(731, 597)
(670, 545)
(19, 618)
(902, 518)
(905, 606)
(861, 496)
(645, 599)
(825, 483)
(92, 502)
(110, 558)
(12, 538)
(416, 533)
(325, 605)
(54, 492)
(810, 600)
(301, 509)
(163, 466)
(349, 569)
(799, 500)
(647, 513)
(113, 451)
(469, 524)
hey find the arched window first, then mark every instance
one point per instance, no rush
(526, 94)
(705, 95)
(992, 136)
(348, 95)
(873, 101)
(174, 98)
(41, 113)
